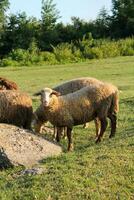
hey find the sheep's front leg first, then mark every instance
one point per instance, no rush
(103, 128)
(69, 136)
(58, 133)
(37, 126)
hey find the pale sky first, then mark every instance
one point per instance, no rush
(85, 9)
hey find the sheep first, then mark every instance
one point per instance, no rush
(84, 105)
(16, 108)
(65, 88)
(6, 84)
(39, 118)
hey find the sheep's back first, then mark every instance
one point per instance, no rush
(83, 104)
(15, 107)
(75, 84)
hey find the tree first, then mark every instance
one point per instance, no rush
(4, 5)
(123, 18)
(102, 24)
(50, 15)
(20, 31)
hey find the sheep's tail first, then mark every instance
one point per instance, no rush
(115, 102)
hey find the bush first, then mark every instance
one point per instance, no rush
(91, 53)
(63, 53)
(78, 56)
(126, 47)
(48, 57)
(8, 62)
(110, 49)
(87, 48)
(19, 55)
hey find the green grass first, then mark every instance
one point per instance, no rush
(99, 172)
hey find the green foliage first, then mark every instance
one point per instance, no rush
(126, 47)
(86, 41)
(92, 53)
(49, 14)
(110, 49)
(63, 53)
(85, 49)
(4, 5)
(19, 55)
(123, 18)
(48, 57)
(9, 62)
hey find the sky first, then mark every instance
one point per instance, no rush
(85, 9)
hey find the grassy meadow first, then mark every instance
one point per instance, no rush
(98, 172)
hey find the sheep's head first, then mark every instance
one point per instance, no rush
(46, 95)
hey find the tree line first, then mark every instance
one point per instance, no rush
(18, 31)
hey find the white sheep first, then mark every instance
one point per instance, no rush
(84, 105)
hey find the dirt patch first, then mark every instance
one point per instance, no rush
(22, 147)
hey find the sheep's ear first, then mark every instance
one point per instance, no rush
(37, 93)
(56, 93)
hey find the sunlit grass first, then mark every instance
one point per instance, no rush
(103, 171)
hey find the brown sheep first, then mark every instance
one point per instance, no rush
(6, 84)
(86, 104)
(15, 108)
(65, 88)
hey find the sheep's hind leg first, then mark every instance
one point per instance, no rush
(97, 126)
(69, 136)
(103, 128)
(113, 119)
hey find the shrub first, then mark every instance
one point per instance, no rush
(110, 49)
(48, 57)
(8, 62)
(91, 53)
(87, 48)
(19, 55)
(126, 47)
(78, 56)
(63, 53)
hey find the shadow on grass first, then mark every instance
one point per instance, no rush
(4, 160)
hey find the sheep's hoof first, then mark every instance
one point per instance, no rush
(111, 135)
(98, 140)
(71, 147)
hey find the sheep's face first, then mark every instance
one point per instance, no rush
(46, 96)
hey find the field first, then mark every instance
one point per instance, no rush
(97, 172)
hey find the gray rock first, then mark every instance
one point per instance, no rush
(22, 147)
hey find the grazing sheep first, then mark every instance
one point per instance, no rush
(65, 88)
(15, 108)
(6, 84)
(39, 118)
(84, 105)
